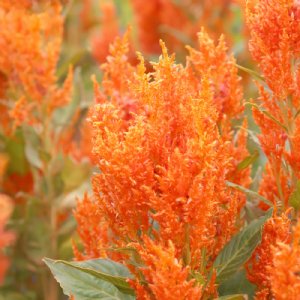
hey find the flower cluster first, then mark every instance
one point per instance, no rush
(158, 138)
(274, 45)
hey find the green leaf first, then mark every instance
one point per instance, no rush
(233, 297)
(32, 147)
(250, 193)
(14, 147)
(248, 161)
(237, 284)
(92, 279)
(239, 249)
(294, 199)
(250, 72)
(74, 174)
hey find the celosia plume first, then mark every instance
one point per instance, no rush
(29, 67)
(274, 45)
(163, 158)
(284, 272)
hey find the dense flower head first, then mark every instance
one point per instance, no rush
(274, 45)
(109, 30)
(284, 273)
(276, 230)
(275, 34)
(166, 276)
(29, 68)
(163, 159)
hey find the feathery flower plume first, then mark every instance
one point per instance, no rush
(274, 45)
(109, 30)
(29, 68)
(276, 230)
(284, 272)
(163, 159)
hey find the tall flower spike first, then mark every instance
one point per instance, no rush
(166, 277)
(276, 230)
(274, 45)
(161, 164)
(109, 30)
(20, 62)
(284, 273)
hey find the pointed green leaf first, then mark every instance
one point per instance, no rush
(100, 278)
(250, 72)
(294, 199)
(32, 147)
(233, 297)
(239, 249)
(248, 161)
(250, 193)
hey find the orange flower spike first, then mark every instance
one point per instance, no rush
(24, 59)
(147, 19)
(21, 113)
(275, 40)
(223, 73)
(63, 95)
(126, 171)
(90, 224)
(276, 230)
(21, 62)
(161, 165)
(166, 276)
(269, 187)
(109, 30)
(284, 273)
(85, 15)
(117, 70)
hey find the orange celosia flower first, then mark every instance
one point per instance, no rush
(284, 273)
(276, 230)
(109, 30)
(166, 277)
(163, 158)
(90, 224)
(275, 34)
(30, 67)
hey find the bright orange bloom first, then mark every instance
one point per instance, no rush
(90, 224)
(29, 67)
(275, 34)
(166, 277)
(159, 144)
(109, 30)
(275, 39)
(284, 273)
(276, 230)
